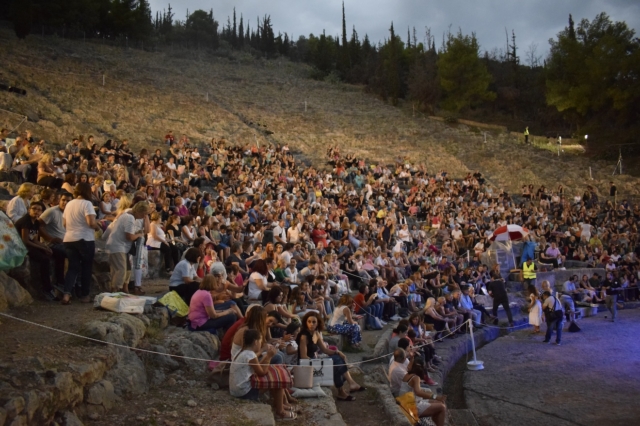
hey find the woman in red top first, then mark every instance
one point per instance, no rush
(318, 234)
(365, 303)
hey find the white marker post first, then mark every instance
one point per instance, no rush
(102, 80)
(474, 365)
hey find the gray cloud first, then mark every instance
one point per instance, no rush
(533, 21)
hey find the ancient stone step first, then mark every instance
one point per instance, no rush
(462, 417)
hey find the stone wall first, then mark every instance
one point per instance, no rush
(33, 393)
(558, 277)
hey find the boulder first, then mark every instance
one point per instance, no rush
(68, 418)
(160, 362)
(32, 403)
(92, 412)
(3, 415)
(22, 274)
(128, 376)
(156, 377)
(193, 344)
(14, 294)
(69, 391)
(14, 406)
(45, 410)
(88, 373)
(133, 328)
(105, 331)
(19, 421)
(159, 317)
(207, 341)
(102, 393)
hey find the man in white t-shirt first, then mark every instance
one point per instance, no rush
(398, 369)
(279, 232)
(456, 234)
(287, 253)
(123, 233)
(51, 223)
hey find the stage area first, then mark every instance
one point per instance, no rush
(591, 379)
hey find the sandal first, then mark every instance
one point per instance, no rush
(349, 398)
(287, 416)
(139, 291)
(65, 301)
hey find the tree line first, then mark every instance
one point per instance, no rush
(588, 84)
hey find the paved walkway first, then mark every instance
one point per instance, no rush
(592, 379)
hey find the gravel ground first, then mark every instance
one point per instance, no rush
(591, 379)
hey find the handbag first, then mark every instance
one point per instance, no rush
(302, 377)
(553, 314)
(322, 370)
(277, 377)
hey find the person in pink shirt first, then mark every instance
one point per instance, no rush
(202, 314)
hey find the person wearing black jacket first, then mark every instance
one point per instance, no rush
(498, 291)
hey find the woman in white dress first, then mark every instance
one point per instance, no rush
(535, 310)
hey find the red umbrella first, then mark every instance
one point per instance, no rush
(509, 233)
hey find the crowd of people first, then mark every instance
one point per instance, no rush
(248, 225)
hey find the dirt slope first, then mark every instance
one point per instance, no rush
(147, 93)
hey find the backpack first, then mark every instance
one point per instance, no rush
(573, 327)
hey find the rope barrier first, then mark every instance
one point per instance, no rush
(11, 112)
(187, 357)
(19, 124)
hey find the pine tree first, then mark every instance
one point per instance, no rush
(21, 17)
(572, 29)
(167, 21)
(463, 76)
(241, 34)
(344, 28)
(234, 34)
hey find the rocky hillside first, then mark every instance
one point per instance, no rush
(246, 99)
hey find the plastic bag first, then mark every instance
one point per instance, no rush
(408, 406)
(12, 249)
(175, 304)
(123, 304)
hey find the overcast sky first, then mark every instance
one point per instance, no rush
(534, 21)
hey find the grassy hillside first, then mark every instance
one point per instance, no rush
(145, 94)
